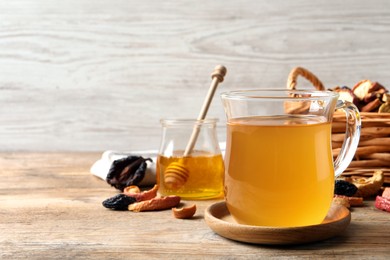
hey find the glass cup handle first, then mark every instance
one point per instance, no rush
(352, 136)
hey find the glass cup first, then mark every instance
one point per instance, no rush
(279, 169)
(190, 172)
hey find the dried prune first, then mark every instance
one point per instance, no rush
(345, 188)
(127, 171)
(119, 202)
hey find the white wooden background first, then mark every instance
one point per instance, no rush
(92, 75)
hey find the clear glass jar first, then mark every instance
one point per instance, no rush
(190, 172)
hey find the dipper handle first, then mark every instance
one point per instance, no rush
(217, 76)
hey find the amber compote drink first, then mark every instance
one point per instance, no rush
(288, 168)
(279, 163)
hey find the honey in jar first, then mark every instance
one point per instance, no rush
(199, 175)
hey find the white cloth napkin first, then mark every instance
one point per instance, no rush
(101, 167)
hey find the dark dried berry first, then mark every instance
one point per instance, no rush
(127, 171)
(345, 188)
(119, 202)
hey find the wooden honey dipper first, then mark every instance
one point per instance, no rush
(176, 174)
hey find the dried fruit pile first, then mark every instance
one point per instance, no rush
(350, 191)
(133, 199)
(124, 174)
(367, 96)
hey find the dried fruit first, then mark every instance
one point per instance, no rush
(346, 94)
(382, 203)
(141, 196)
(118, 202)
(385, 107)
(345, 188)
(347, 200)
(386, 193)
(127, 171)
(368, 186)
(364, 87)
(368, 96)
(371, 106)
(160, 203)
(185, 212)
(341, 200)
(355, 201)
(133, 189)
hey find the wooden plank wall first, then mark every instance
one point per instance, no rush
(91, 75)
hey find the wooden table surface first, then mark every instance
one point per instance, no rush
(51, 208)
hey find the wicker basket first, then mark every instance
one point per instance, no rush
(373, 152)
